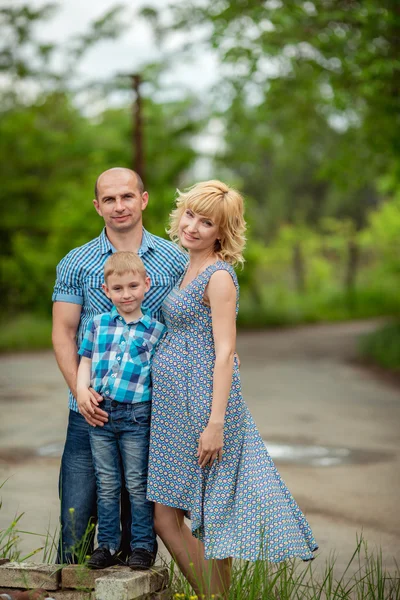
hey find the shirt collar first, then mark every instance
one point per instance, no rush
(105, 245)
(147, 243)
(145, 319)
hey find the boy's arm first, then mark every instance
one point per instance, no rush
(66, 317)
(86, 400)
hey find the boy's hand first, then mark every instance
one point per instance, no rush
(88, 404)
(99, 416)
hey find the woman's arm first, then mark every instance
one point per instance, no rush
(221, 293)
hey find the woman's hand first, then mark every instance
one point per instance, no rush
(210, 444)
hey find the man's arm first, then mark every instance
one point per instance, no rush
(66, 317)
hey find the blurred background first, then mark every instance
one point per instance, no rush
(295, 103)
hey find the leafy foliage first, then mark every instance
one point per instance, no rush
(383, 347)
(307, 104)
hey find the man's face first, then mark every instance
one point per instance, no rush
(119, 201)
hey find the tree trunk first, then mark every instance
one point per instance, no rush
(299, 270)
(353, 261)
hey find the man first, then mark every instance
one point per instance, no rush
(120, 200)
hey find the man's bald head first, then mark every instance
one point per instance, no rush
(139, 181)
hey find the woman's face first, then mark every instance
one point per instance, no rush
(197, 232)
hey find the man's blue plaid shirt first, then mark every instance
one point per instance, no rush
(121, 355)
(80, 276)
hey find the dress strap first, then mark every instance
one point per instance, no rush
(220, 265)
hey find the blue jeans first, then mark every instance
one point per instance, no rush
(121, 448)
(77, 488)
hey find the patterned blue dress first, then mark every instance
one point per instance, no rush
(239, 507)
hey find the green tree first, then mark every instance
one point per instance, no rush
(347, 50)
(313, 99)
(25, 59)
(51, 153)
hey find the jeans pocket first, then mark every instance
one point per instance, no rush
(141, 413)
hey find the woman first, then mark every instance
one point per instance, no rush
(206, 455)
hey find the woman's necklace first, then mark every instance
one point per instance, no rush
(197, 272)
(201, 265)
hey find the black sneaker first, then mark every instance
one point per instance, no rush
(141, 559)
(102, 558)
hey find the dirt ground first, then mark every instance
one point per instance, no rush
(303, 387)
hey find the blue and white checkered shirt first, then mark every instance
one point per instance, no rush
(121, 355)
(80, 276)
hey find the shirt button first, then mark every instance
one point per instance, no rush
(118, 358)
(114, 375)
(107, 391)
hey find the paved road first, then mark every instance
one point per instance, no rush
(305, 392)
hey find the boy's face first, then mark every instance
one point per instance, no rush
(126, 292)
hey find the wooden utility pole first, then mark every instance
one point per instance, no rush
(137, 128)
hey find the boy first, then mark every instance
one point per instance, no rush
(116, 352)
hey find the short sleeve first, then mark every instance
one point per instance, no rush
(68, 287)
(158, 332)
(86, 347)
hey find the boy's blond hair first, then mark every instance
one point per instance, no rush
(224, 206)
(120, 263)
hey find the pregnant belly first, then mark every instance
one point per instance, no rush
(171, 355)
(177, 357)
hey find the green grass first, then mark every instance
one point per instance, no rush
(364, 578)
(81, 548)
(383, 347)
(25, 332)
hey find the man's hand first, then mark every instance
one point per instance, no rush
(88, 404)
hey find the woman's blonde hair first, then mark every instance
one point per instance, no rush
(224, 206)
(122, 262)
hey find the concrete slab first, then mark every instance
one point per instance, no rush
(29, 575)
(131, 586)
(80, 577)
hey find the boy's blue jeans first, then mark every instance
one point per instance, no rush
(123, 441)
